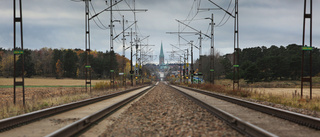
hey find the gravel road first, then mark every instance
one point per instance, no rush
(165, 112)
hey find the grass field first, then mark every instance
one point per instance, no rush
(49, 82)
(42, 93)
(289, 92)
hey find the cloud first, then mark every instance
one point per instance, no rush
(60, 23)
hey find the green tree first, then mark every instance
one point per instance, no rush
(28, 64)
(70, 63)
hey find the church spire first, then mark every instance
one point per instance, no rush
(161, 51)
(161, 57)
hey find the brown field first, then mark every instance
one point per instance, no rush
(48, 82)
(47, 92)
(289, 92)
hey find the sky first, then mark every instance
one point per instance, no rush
(60, 24)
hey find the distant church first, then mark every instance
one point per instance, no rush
(162, 66)
(161, 57)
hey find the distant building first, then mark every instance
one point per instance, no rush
(162, 65)
(161, 57)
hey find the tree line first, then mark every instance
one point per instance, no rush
(60, 63)
(265, 64)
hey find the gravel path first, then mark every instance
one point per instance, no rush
(165, 112)
(275, 125)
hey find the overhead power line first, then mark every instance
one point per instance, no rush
(103, 27)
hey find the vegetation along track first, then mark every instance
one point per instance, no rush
(44, 122)
(254, 119)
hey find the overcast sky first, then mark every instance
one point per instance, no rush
(60, 24)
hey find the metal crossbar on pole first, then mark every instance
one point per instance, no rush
(18, 51)
(306, 49)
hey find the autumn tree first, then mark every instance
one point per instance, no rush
(6, 65)
(42, 62)
(59, 69)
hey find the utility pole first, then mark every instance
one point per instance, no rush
(17, 51)
(200, 67)
(236, 75)
(180, 65)
(184, 67)
(200, 45)
(137, 65)
(111, 48)
(111, 33)
(87, 46)
(123, 53)
(236, 66)
(306, 48)
(187, 71)
(191, 71)
(140, 60)
(212, 50)
(131, 70)
(140, 65)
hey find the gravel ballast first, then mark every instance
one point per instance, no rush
(165, 112)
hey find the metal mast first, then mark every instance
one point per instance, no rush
(131, 70)
(17, 51)
(123, 53)
(200, 66)
(111, 47)
(306, 49)
(236, 74)
(87, 46)
(191, 71)
(212, 51)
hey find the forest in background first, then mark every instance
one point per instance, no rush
(265, 64)
(61, 63)
(256, 63)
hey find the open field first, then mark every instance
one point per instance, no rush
(272, 84)
(289, 92)
(5, 82)
(290, 97)
(282, 88)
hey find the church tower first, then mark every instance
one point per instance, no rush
(161, 57)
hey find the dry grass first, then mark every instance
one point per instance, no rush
(48, 82)
(40, 98)
(286, 96)
(288, 92)
(272, 84)
(43, 97)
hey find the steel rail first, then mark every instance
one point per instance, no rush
(11, 122)
(241, 126)
(305, 120)
(83, 123)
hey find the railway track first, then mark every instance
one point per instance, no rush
(251, 118)
(68, 119)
